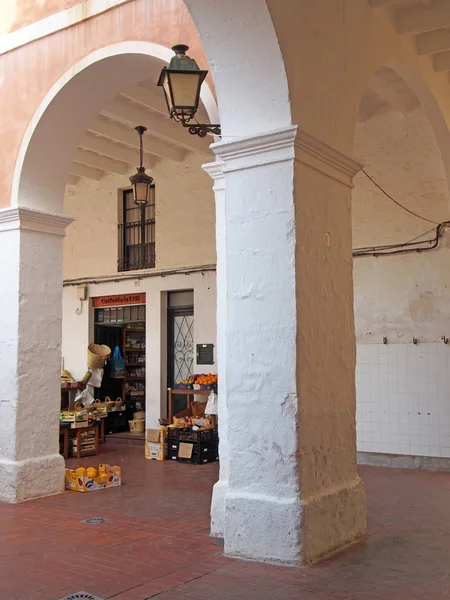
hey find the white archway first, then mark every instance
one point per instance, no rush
(66, 112)
(246, 64)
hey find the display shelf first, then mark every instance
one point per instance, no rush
(134, 349)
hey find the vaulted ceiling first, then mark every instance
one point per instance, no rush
(427, 22)
(111, 145)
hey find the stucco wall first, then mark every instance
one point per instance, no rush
(406, 295)
(403, 403)
(184, 220)
(15, 14)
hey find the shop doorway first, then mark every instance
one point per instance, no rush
(180, 341)
(122, 327)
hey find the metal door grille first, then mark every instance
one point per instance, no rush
(183, 346)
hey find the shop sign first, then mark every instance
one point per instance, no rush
(118, 300)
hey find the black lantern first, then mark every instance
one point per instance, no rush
(141, 182)
(182, 81)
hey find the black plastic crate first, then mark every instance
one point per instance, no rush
(206, 435)
(200, 459)
(201, 452)
(201, 448)
(172, 454)
(172, 445)
(173, 433)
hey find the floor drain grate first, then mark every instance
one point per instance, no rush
(82, 596)
(95, 520)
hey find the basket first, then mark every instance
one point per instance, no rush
(96, 355)
(137, 426)
(139, 415)
(109, 403)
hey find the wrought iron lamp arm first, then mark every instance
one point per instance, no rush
(202, 129)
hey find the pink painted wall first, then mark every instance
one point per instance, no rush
(23, 12)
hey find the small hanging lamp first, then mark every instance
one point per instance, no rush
(140, 181)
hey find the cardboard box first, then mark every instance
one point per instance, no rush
(156, 444)
(156, 436)
(111, 477)
(155, 451)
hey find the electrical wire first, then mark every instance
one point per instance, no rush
(411, 246)
(395, 201)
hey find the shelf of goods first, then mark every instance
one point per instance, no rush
(134, 380)
(83, 442)
(195, 385)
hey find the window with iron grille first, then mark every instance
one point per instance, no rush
(136, 233)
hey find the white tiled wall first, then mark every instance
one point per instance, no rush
(403, 399)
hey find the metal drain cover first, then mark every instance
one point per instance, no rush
(82, 596)
(95, 520)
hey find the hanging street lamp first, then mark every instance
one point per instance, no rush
(181, 82)
(140, 181)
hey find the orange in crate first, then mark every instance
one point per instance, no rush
(106, 477)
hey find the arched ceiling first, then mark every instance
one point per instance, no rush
(111, 145)
(427, 22)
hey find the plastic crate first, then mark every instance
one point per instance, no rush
(200, 459)
(172, 433)
(172, 454)
(172, 445)
(201, 452)
(206, 435)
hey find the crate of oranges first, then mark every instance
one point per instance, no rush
(92, 478)
(206, 382)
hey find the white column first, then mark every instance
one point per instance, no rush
(215, 170)
(30, 353)
(285, 494)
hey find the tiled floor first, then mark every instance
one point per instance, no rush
(156, 542)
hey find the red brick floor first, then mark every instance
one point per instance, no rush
(156, 542)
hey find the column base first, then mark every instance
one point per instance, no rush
(262, 528)
(31, 478)
(332, 521)
(218, 509)
(289, 531)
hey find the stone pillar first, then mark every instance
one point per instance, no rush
(30, 353)
(289, 491)
(215, 170)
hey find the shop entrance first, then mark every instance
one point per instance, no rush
(180, 341)
(123, 329)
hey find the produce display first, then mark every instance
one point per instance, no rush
(203, 381)
(206, 379)
(92, 478)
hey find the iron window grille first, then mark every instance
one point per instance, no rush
(136, 233)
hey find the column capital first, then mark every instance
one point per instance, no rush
(318, 155)
(33, 220)
(287, 144)
(215, 171)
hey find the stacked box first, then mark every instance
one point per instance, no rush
(156, 443)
